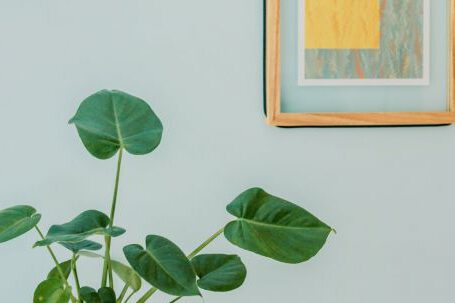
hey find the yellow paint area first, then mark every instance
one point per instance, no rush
(342, 24)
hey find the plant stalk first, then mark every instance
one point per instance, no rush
(107, 268)
(76, 278)
(147, 295)
(175, 300)
(205, 244)
(123, 293)
(150, 293)
(110, 274)
(130, 296)
(57, 263)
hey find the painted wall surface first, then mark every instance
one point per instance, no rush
(388, 191)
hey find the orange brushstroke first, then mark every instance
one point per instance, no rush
(383, 6)
(358, 65)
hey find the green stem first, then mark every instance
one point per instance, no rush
(107, 259)
(107, 268)
(117, 179)
(122, 294)
(110, 274)
(149, 293)
(57, 263)
(130, 296)
(175, 300)
(205, 244)
(76, 277)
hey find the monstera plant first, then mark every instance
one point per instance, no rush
(110, 123)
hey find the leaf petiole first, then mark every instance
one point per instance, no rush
(147, 295)
(123, 293)
(130, 296)
(107, 268)
(57, 264)
(205, 244)
(76, 277)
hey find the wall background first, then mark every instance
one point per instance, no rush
(388, 191)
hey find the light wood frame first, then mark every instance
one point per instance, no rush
(272, 82)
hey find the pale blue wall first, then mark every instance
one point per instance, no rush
(388, 191)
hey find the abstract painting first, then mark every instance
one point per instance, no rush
(364, 42)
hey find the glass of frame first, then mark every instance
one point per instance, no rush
(380, 62)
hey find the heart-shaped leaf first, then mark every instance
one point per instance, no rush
(83, 245)
(103, 295)
(66, 269)
(275, 228)
(163, 265)
(91, 222)
(16, 221)
(52, 291)
(109, 120)
(127, 275)
(219, 272)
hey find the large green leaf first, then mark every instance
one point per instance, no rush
(91, 222)
(16, 221)
(103, 295)
(127, 275)
(64, 266)
(275, 228)
(164, 265)
(52, 291)
(219, 272)
(109, 120)
(83, 245)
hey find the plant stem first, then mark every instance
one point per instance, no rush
(111, 276)
(205, 244)
(148, 294)
(76, 277)
(130, 296)
(107, 270)
(107, 257)
(117, 179)
(175, 300)
(57, 263)
(122, 294)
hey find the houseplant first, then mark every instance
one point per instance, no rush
(110, 123)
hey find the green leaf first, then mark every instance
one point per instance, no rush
(91, 222)
(219, 272)
(107, 295)
(52, 291)
(16, 221)
(127, 275)
(83, 245)
(109, 120)
(164, 265)
(90, 254)
(89, 295)
(66, 268)
(275, 228)
(104, 295)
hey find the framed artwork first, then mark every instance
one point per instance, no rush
(359, 62)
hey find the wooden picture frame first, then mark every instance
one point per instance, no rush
(272, 82)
